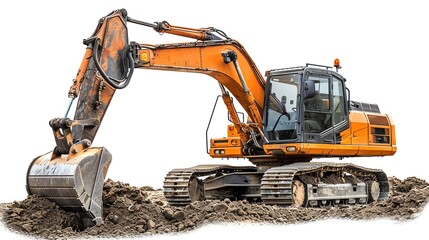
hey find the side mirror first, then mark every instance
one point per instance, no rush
(309, 89)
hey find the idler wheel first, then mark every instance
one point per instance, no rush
(298, 193)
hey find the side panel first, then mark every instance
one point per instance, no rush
(369, 129)
(370, 134)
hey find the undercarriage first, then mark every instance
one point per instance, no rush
(307, 184)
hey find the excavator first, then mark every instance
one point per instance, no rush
(294, 115)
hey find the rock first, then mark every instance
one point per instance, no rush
(413, 210)
(232, 209)
(137, 196)
(26, 227)
(107, 184)
(140, 229)
(17, 210)
(398, 200)
(36, 215)
(146, 188)
(92, 232)
(168, 213)
(137, 207)
(110, 199)
(114, 219)
(35, 228)
(150, 224)
(180, 227)
(191, 224)
(141, 222)
(241, 212)
(208, 209)
(221, 207)
(68, 229)
(179, 215)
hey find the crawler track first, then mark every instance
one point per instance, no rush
(183, 186)
(177, 182)
(277, 182)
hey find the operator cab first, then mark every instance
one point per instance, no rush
(305, 104)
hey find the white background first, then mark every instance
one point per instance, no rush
(159, 121)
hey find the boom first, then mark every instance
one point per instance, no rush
(206, 58)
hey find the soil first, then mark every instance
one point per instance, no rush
(131, 211)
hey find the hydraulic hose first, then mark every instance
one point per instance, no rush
(116, 83)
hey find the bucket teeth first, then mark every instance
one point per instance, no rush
(74, 184)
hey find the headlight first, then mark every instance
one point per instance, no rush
(291, 149)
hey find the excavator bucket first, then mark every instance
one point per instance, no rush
(73, 182)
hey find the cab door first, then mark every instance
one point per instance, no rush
(325, 110)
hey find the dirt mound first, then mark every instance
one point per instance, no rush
(40, 217)
(131, 211)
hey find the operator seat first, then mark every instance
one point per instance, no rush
(314, 121)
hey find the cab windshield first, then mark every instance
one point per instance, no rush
(282, 115)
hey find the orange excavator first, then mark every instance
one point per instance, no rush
(294, 115)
